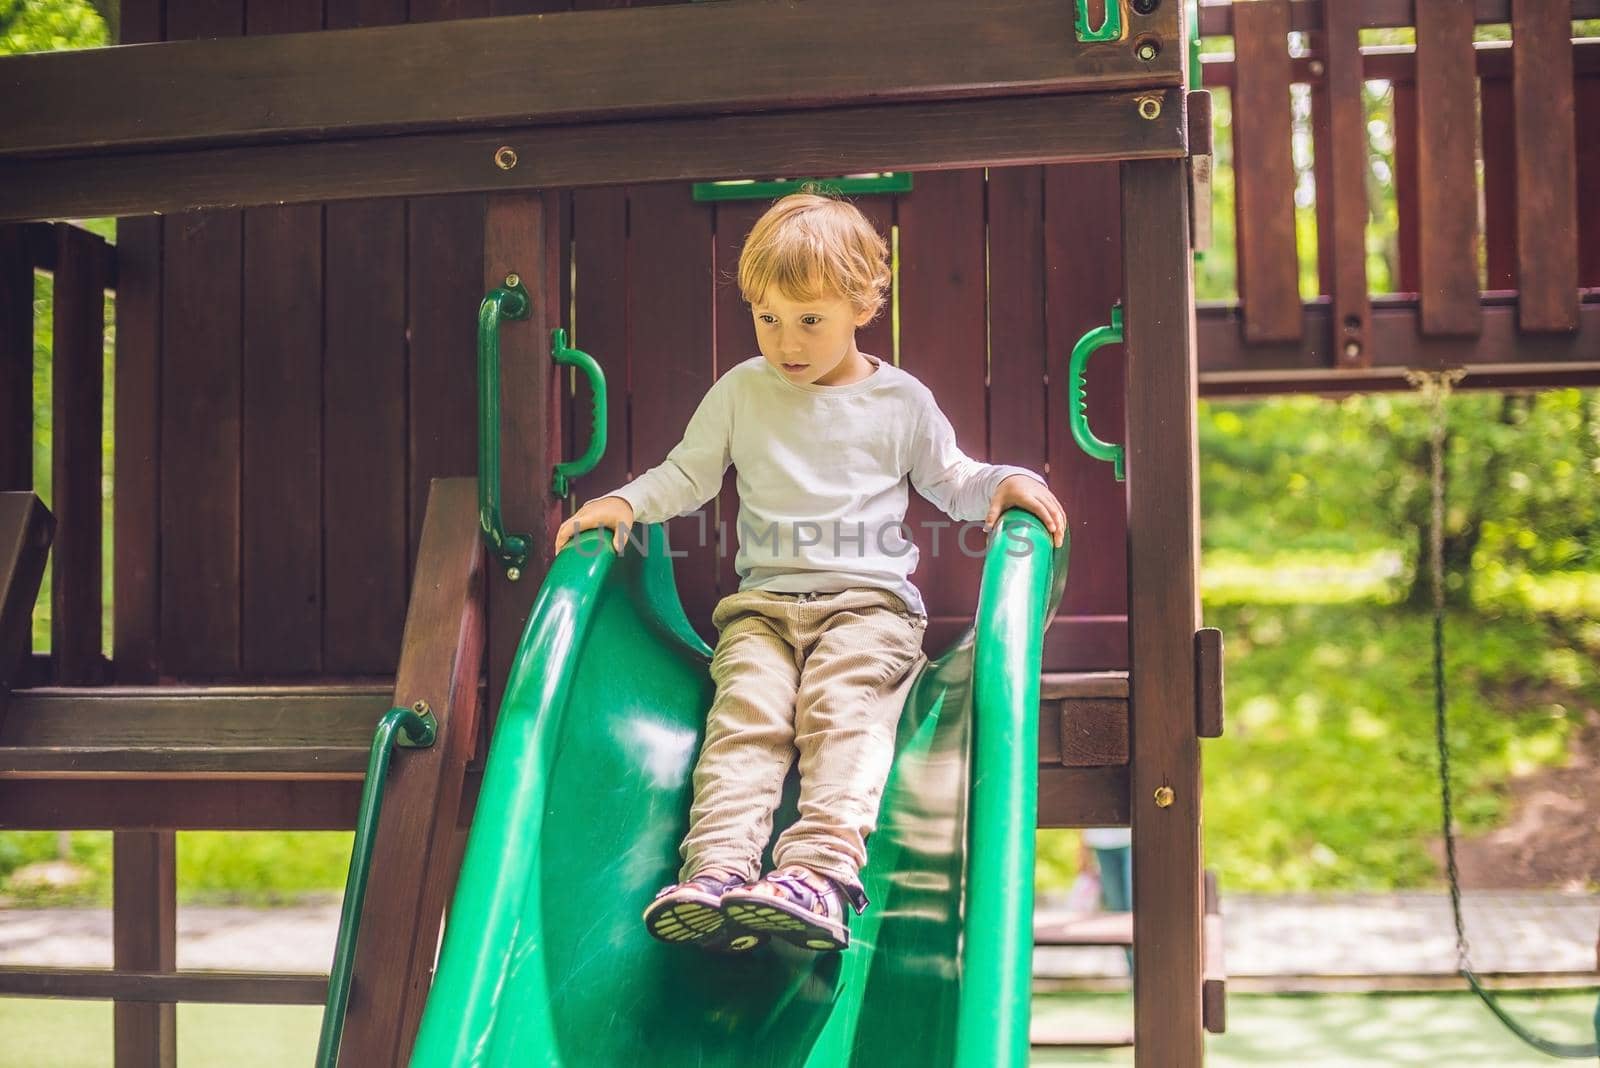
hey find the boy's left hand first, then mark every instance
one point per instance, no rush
(1023, 491)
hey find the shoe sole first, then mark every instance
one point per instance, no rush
(692, 922)
(797, 928)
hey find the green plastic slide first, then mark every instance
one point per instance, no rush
(586, 796)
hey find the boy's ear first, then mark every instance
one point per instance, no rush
(863, 317)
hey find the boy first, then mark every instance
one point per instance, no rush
(817, 650)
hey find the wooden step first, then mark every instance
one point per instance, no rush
(1089, 711)
(1062, 1036)
(1083, 929)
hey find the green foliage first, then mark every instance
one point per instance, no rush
(49, 25)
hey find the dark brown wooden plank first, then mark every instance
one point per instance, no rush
(1214, 987)
(16, 361)
(441, 658)
(77, 395)
(1347, 143)
(1395, 63)
(148, 804)
(1269, 286)
(144, 938)
(1083, 279)
(136, 521)
(944, 344)
(1447, 124)
(1398, 345)
(26, 529)
(212, 987)
(1163, 562)
(364, 456)
(282, 406)
(1059, 685)
(1085, 929)
(158, 717)
(364, 478)
(1082, 797)
(1542, 97)
(845, 140)
(670, 313)
(675, 59)
(1586, 101)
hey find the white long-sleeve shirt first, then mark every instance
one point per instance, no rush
(821, 475)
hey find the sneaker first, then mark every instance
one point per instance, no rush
(689, 913)
(794, 904)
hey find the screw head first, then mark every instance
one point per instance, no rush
(1150, 108)
(513, 281)
(1352, 350)
(1147, 50)
(1145, 7)
(505, 157)
(421, 708)
(514, 573)
(1164, 797)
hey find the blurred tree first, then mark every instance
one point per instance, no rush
(46, 25)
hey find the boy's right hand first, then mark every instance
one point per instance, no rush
(613, 512)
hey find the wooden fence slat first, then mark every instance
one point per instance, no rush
(600, 328)
(26, 530)
(1083, 279)
(1163, 531)
(200, 413)
(1348, 145)
(1447, 168)
(1019, 353)
(144, 938)
(281, 412)
(1547, 254)
(77, 391)
(1586, 99)
(670, 321)
(1269, 285)
(944, 344)
(136, 521)
(16, 361)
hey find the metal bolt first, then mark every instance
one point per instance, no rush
(1317, 68)
(514, 573)
(1147, 50)
(505, 157)
(421, 708)
(513, 281)
(1150, 107)
(1352, 350)
(1164, 797)
(1145, 7)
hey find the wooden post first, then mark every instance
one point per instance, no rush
(520, 236)
(16, 361)
(1163, 559)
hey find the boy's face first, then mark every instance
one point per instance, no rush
(810, 342)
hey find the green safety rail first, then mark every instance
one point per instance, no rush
(849, 185)
(1077, 397)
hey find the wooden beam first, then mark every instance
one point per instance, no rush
(1397, 63)
(187, 805)
(934, 135)
(1346, 145)
(16, 360)
(1163, 564)
(678, 59)
(210, 987)
(144, 938)
(440, 662)
(1083, 797)
(1397, 344)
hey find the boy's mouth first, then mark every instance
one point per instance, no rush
(795, 366)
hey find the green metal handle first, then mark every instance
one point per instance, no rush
(1110, 28)
(1077, 417)
(886, 182)
(572, 469)
(416, 729)
(510, 301)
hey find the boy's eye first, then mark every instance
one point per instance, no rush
(811, 320)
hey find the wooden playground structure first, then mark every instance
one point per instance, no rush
(314, 195)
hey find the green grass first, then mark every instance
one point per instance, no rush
(1315, 1031)
(1349, 1030)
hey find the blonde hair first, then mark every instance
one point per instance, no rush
(812, 247)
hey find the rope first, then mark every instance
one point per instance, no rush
(1435, 388)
